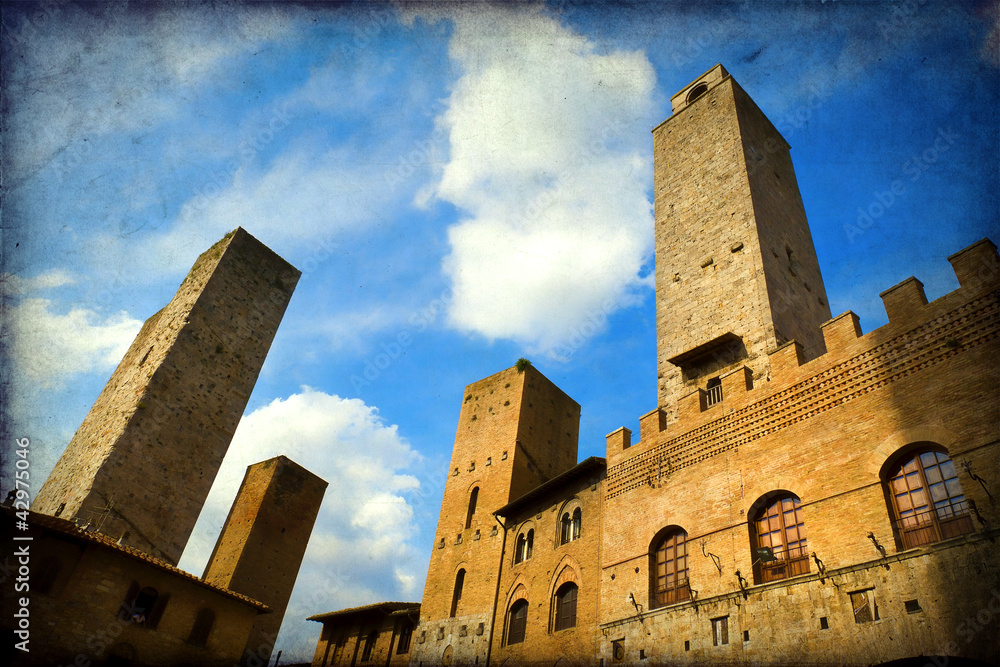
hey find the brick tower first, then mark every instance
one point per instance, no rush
(736, 270)
(263, 541)
(516, 430)
(142, 463)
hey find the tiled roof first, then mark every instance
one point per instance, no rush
(585, 467)
(383, 607)
(70, 529)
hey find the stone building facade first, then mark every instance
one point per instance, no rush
(96, 602)
(376, 634)
(119, 506)
(802, 494)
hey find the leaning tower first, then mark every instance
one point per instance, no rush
(142, 463)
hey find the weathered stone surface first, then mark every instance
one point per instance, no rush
(142, 463)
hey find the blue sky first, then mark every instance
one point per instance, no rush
(461, 185)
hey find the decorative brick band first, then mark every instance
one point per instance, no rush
(968, 326)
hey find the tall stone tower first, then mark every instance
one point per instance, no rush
(516, 430)
(144, 459)
(263, 541)
(736, 270)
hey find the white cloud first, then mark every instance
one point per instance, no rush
(16, 285)
(547, 161)
(301, 198)
(49, 348)
(361, 548)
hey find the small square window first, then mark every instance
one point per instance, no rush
(687, 645)
(864, 605)
(503, 457)
(720, 631)
(642, 654)
(746, 635)
(824, 624)
(489, 460)
(912, 607)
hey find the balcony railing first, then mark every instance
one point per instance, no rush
(930, 526)
(678, 592)
(713, 395)
(786, 563)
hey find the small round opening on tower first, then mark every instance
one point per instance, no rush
(697, 92)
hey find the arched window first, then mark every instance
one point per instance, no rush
(565, 606)
(697, 92)
(457, 597)
(473, 499)
(569, 527)
(668, 569)
(523, 546)
(779, 539)
(143, 606)
(517, 621)
(926, 499)
(203, 623)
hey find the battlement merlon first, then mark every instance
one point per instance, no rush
(977, 268)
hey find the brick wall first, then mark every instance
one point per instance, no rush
(553, 563)
(515, 431)
(264, 540)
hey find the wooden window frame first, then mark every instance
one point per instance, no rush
(517, 622)
(565, 606)
(916, 527)
(664, 556)
(720, 631)
(864, 605)
(789, 561)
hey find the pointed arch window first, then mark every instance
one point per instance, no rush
(457, 595)
(779, 539)
(517, 622)
(926, 499)
(523, 546)
(473, 501)
(565, 606)
(668, 569)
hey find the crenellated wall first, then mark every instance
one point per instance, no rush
(823, 430)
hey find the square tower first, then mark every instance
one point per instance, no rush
(736, 270)
(516, 431)
(263, 541)
(142, 463)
